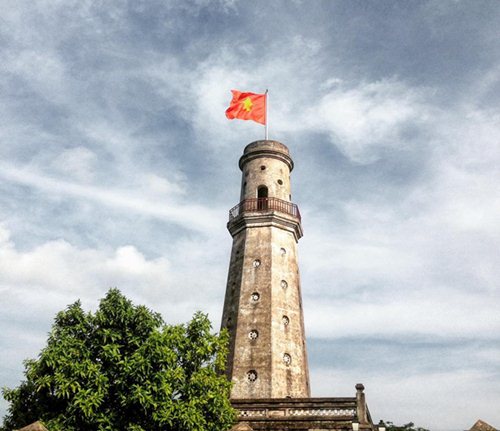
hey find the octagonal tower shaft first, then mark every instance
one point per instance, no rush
(263, 305)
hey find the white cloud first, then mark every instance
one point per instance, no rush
(443, 313)
(60, 267)
(78, 162)
(45, 72)
(158, 186)
(431, 270)
(424, 264)
(424, 398)
(369, 115)
(360, 119)
(190, 216)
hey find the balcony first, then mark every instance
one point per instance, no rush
(264, 205)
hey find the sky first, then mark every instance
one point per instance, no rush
(118, 168)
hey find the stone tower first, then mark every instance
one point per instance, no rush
(263, 305)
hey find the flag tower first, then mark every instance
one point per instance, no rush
(267, 361)
(263, 306)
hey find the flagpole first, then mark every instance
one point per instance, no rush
(267, 98)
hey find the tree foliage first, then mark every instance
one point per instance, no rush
(410, 426)
(122, 368)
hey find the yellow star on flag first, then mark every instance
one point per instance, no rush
(247, 104)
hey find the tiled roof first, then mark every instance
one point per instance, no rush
(35, 426)
(482, 426)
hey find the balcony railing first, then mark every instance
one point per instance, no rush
(263, 205)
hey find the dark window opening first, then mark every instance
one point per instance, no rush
(262, 198)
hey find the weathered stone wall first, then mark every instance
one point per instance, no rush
(263, 307)
(266, 163)
(287, 319)
(307, 414)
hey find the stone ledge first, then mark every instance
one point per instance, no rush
(266, 219)
(300, 413)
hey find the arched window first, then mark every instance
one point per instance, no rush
(262, 198)
(262, 192)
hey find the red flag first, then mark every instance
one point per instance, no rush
(247, 106)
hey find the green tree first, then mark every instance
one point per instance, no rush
(122, 368)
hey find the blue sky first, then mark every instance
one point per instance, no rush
(118, 167)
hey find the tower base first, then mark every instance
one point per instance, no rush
(301, 414)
